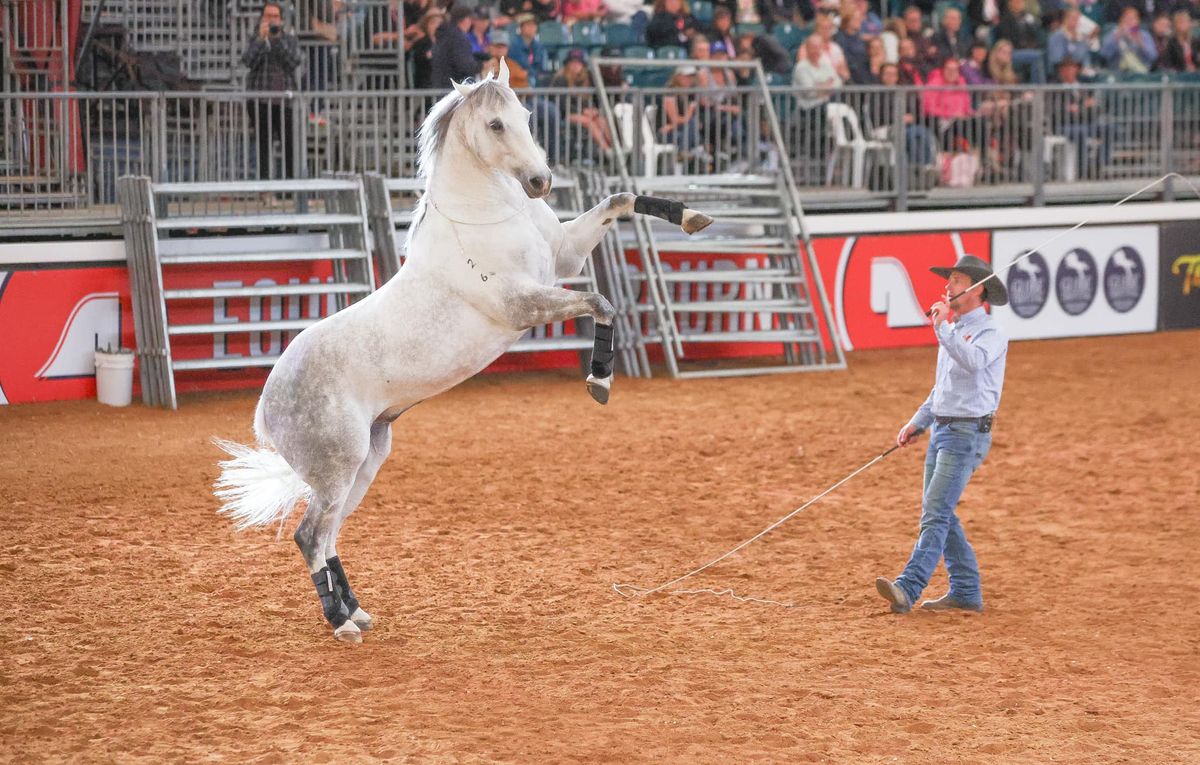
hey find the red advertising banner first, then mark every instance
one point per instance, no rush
(50, 323)
(880, 285)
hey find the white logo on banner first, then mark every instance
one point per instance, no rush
(95, 322)
(1094, 281)
(892, 293)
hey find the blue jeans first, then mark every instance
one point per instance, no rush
(955, 452)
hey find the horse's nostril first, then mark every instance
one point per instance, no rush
(536, 183)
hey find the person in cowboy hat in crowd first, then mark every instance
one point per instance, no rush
(972, 350)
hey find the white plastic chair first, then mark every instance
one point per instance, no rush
(652, 149)
(1063, 147)
(848, 141)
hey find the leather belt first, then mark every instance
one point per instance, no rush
(984, 422)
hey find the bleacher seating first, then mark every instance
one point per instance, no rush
(554, 34)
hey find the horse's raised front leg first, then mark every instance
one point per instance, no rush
(529, 306)
(586, 231)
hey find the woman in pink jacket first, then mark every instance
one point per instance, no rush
(947, 101)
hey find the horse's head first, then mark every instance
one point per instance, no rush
(495, 127)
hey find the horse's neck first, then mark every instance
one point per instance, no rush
(464, 189)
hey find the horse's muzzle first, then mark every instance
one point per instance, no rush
(537, 186)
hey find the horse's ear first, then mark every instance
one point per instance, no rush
(503, 78)
(463, 90)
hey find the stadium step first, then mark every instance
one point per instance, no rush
(347, 254)
(281, 290)
(282, 256)
(286, 325)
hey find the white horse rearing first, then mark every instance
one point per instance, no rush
(483, 254)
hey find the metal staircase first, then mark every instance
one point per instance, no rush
(151, 213)
(764, 289)
(391, 202)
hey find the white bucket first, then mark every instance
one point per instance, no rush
(114, 377)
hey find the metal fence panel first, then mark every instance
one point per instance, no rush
(60, 153)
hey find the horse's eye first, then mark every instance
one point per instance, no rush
(497, 126)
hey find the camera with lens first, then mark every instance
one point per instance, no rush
(275, 29)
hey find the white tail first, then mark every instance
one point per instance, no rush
(257, 486)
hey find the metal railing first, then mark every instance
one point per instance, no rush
(863, 148)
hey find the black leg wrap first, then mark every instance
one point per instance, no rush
(342, 584)
(602, 351)
(667, 209)
(335, 610)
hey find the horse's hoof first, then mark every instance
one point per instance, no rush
(694, 221)
(348, 633)
(598, 387)
(362, 619)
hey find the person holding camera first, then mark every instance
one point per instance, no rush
(272, 56)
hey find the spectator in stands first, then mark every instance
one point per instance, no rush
(583, 10)
(918, 139)
(823, 30)
(541, 10)
(1160, 33)
(1128, 47)
(582, 111)
(1024, 30)
(767, 49)
(744, 11)
(853, 46)
(497, 48)
(526, 49)
(452, 56)
(911, 72)
(984, 15)
(975, 67)
(815, 75)
(950, 105)
(720, 106)
(670, 25)
(876, 58)
(872, 25)
(421, 53)
(1000, 64)
(1069, 40)
(915, 27)
(1019, 26)
(414, 11)
(1182, 49)
(817, 79)
(678, 118)
(893, 33)
(272, 56)
(479, 37)
(721, 29)
(774, 12)
(951, 40)
(1075, 114)
(1147, 9)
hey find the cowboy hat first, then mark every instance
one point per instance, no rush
(994, 290)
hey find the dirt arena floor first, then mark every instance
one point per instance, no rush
(141, 628)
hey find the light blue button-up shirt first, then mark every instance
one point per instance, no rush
(970, 369)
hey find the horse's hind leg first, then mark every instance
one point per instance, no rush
(381, 447)
(310, 538)
(330, 468)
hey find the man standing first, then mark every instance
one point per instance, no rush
(972, 351)
(452, 56)
(272, 57)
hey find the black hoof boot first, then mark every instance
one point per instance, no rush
(600, 380)
(343, 584)
(331, 601)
